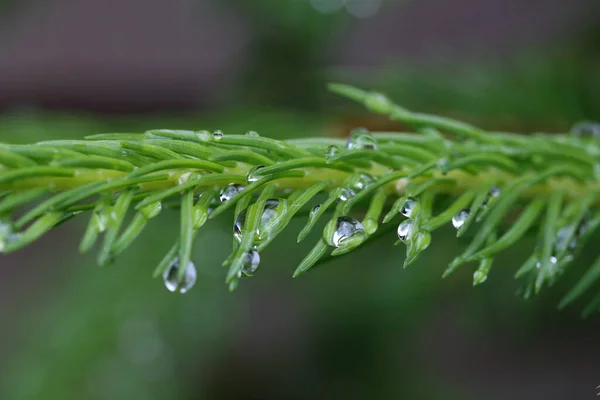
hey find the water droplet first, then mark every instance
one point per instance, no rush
(315, 210)
(346, 228)
(268, 218)
(494, 192)
(442, 164)
(479, 277)
(188, 281)
(362, 181)
(346, 194)
(217, 135)
(5, 233)
(405, 230)
(250, 263)
(360, 138)
(332, 151)
(229, 191)
(586, 128)
(252, 133)
(184, 178)
(553, 261)
(100, 221)
(459, 219)
(252, 175)
(409, 207)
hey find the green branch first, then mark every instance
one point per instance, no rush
(445, 172)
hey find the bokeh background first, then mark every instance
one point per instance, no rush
(357, 328)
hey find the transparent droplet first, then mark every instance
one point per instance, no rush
(442, 164)
(315, 210)
(409, 207)
(362, 181)
(405, 230)
(252, 175)
(459, 219)
(346, 194)
(553, 261)
(252, 133)
(250, 263)
(268, 218)
(5, 233)
(332, 151)
(217, 135)
(346, 228)
(229, 191)
(188, 281)
(586, 128)
(100, 221)
(360, 138)
(494, 192)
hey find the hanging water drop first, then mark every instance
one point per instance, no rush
(5, 233)
(360, 138)
(250, 263)
(346, 194)
(405, 230)
(217, 135)
(252, 174)
(268, 218)
(586, 128)
(459, 219)
(331, 152)
(314, 210)
(229, 191)
(346, 228)
(409, 207)
(252, 133)
(492, 195)
(171, 281)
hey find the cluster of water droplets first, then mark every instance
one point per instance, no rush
(270, 216)
(171, 281)
(347, 228)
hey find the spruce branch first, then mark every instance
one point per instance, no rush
(444, 172)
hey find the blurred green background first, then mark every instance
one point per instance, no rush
(358, 327)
